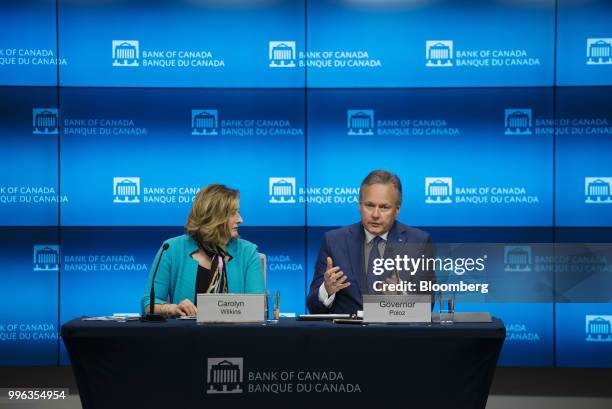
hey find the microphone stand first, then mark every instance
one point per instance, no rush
(151, 316)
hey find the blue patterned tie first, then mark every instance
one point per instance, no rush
(374, 254)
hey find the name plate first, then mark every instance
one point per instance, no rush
(397, 308)
(231, 308)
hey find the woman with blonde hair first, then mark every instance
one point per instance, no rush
(208, 258)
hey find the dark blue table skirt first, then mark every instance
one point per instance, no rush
(315, 365)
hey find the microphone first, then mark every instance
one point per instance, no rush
(151, 316)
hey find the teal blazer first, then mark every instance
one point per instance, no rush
(176, 277)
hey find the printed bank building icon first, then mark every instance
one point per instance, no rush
(224, 375)
(360, 122)
(46, 258)
(126, 190)
(517, 258)
(282, 190)
(598, 190)
(126, 53)
(204, 121)
(599, 51)
(282, 54)
(598, 328)
(517, 121)
(438, 190)
(45, 121)
(439, 53)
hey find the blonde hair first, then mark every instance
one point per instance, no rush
(207, 222)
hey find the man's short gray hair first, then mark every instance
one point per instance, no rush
(383, 177)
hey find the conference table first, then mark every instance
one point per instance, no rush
(296, 364)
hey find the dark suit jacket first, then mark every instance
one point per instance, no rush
(345, 247)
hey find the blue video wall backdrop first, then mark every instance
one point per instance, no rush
(497, 116)
(496, 175)
(167, 143)
(387, 44)
(169, 43)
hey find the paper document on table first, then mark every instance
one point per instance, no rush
(126, 315)
(111, 318)
(322, 317)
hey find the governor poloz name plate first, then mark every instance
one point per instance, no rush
(397, 308)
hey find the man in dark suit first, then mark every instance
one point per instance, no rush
(344, 269)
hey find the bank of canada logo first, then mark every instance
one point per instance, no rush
(126, 190)
(599, 51)
(282, 190)
(439, 53)
(46, 258)
(282, 54)
(126, 53)
(598, 190)
(204, 121)
(360, 122)
(598, 328)
(438, 190)
(517, 258)
(517, 121)
(224, 375)
(45, 121)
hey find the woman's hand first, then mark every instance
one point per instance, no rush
(172, 310)
(186, 307)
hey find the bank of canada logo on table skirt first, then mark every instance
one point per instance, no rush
(360, 122)
(126, 53)
(45, 121)
(204, 122)
(438, 190)
(438, 53)
(126, 189)
(599, 51)
(517, 258)
(598, 328)
(282, 54)
(517, 121)
(46, 257)
(282, 190)
(598, 190)
(224, 375)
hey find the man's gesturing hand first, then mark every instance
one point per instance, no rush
(335, 280)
